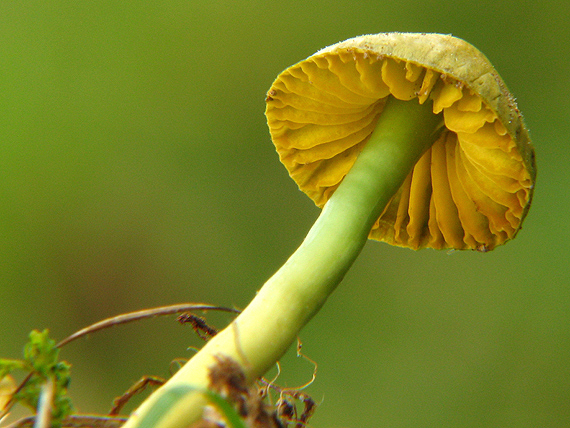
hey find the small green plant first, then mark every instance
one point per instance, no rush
(42, 367)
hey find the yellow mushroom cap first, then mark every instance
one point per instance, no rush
(470, 190)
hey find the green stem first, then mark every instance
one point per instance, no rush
(262, 333)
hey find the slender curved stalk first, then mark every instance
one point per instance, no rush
(266, 328)
(142, 314)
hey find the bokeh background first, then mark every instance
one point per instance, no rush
(136, 170)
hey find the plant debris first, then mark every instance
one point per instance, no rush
(44, 388)
(141, 385)
(199, 325)
(253, 403)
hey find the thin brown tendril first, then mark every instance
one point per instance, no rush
(143, 314)
(76, 421)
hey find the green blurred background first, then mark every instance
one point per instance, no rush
(136, 170)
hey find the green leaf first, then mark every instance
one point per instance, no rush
(8, 366)
(167, 401)
(41, 359)
(41, 353)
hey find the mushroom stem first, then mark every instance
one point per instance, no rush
(263, 332)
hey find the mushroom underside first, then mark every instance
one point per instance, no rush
(470, 190)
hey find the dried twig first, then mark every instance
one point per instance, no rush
(119, 402)
(76, 421)
(143, 314)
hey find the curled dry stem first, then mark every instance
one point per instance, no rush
(144, 314)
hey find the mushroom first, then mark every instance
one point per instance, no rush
(470, 189)
(411, 139)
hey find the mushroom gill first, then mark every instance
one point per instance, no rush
(470, 190)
